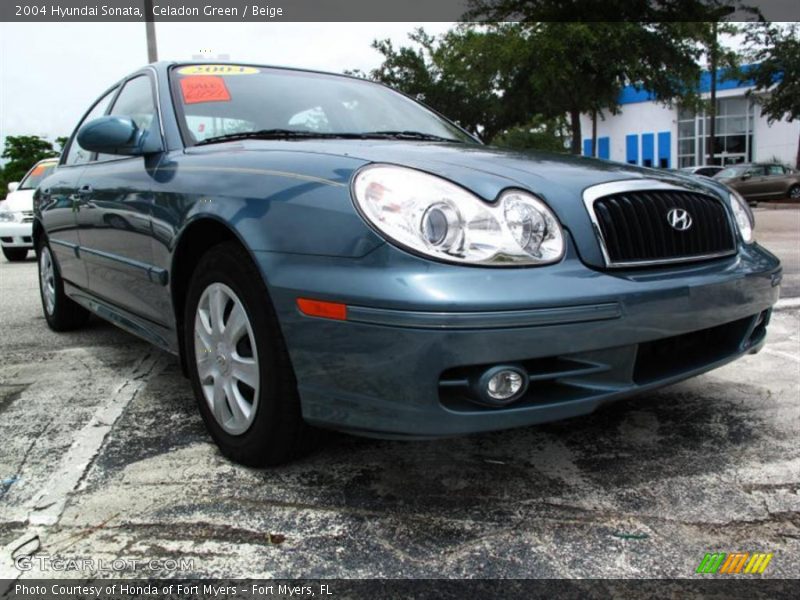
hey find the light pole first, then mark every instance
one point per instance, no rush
(150, 27)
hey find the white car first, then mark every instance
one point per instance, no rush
(16, 211)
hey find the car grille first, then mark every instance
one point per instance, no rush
(634, 227)
(27, 216)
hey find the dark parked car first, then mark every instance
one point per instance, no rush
(762, 181)
(322, 251)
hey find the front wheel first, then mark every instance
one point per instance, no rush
(241, 374)
(794, 192)
(61, 312)
(15, 254)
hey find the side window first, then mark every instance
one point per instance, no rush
(75, 154)
(135, 101)
(775, 170)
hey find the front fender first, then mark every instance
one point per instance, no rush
(273, 201)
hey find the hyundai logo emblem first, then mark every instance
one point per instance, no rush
(679, 219)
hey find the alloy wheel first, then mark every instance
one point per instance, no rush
(47, 274)
(226, 356)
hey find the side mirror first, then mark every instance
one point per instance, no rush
(746, 176)
(12, 186)
(117, 135)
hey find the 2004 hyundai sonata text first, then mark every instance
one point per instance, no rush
(323, 251)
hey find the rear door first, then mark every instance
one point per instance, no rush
(776, 181)
(114, 220)
(58, 201)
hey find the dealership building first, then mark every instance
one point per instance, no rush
(648, 133)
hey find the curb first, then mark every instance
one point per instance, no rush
(787, 304)
(776, 206)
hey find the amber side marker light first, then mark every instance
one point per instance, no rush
(324, 310)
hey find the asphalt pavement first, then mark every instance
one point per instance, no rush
(104, 456)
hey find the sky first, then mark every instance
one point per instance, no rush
(51, 72)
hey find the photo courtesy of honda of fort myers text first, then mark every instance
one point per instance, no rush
(351, 299)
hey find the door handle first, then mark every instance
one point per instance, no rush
(85, 190)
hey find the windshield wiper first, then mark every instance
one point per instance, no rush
(291, 134)
(277, 134)
(411, 135)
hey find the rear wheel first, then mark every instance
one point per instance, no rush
(240, 371)
(61, 312)
(794, 192)
(15, 254)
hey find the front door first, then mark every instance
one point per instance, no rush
(114, 216)
(59, 201)
(751, 183)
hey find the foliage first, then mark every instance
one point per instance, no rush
(495, 76)
(550, 136)
(581, 66)
(776, 51)
(467, 74)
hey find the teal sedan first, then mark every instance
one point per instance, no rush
(321, 251)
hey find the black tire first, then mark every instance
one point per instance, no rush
(66, 314)
(794, 192)
(15, 254)
(277, 432)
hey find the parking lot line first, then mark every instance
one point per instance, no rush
(47, 506)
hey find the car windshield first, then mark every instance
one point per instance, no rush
(217, 101)
(731, 172)
(35, 176)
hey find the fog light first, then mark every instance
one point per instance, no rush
(502, 385)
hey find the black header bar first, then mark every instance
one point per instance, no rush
(384, 10)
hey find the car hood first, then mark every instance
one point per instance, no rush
(19, 200)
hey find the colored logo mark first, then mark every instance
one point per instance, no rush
(734, 563)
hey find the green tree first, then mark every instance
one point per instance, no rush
(723, 63)
(540, 134)
(61, 141)
(468, 74)
(21, 153)
(579, 67)
(776, 51)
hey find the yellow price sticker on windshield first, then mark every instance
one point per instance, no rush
(217, 70)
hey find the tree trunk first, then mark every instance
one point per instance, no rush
(575, 123)
(712, 113)
(797, 161)
(594, 133)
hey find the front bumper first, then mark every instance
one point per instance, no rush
(16, 235)
(419, 333)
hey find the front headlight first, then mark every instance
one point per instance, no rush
(434, 217)
(743, 216)
(7, 216)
